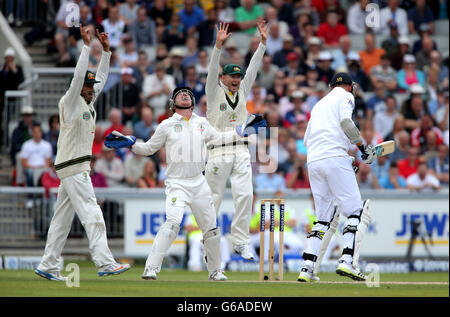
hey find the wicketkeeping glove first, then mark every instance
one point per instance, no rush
(254, 122)
(117, 140)
(367, 154)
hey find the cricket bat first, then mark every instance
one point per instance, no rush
(384, 148)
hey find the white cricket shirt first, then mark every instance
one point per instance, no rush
(185, 142)
(324, 136)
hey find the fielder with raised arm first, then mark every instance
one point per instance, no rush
(226, 108)
(76, 193)
(328, 137)
(184, 135)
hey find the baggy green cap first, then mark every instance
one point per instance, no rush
(232, 69)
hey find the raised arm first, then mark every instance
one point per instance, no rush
(256, 61)
(213, 67)
(157, 141)
(71, 96)
(103, 67)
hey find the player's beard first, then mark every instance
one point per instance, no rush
(88, 95)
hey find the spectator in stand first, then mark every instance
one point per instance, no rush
(157, 88)
(176, 69)
(414, 108)
(409, 165)
(355, 70)
(384, 75)
(161, 14)
(144, 128)
(143, 30)
(297, 29)
(279, 58)
(271, 17)
(278, 90)
(436, 60)
(166, 114)
(369, 135)
(191, 80)
(174, 33)
(191, 15)
(11, 76)
(384, 119)
(115, 27)
(365, 177)
(190, 57)
(331, 31)
(324, 61)
(278, 150)
(134, 168)
(49, 179)
(142, 69)
(206, 30)
(298, 178)
(285, 11)
(295, 69)
(439, 164)
(98, 179)
(341, 53)
(297, 98)
(36, 155)
(149, 178)
(442, 112)
(162, 56)
(393, 180)
(62, 32)
(425, 32)
(201, 109)
(409, 75)
(115, 118)
(201, 68)
(371, 56)
(423, 180)
(393, 14)
(419, 134)
(225, 13)
(128, 11)
(96, 53)
(423, 58)
(268, 180)
(74, 38)
(247, 15)
(404, 47)
(356, 17)
(401, 145)
(22, 132)
(111, 167)
(52, 134)
(419, 14)
(255, 101)
(267, 72)
(314, 46)
(390, 43)
(130, 96)
(309, 85)
(97, 145)
(275, 39)
(380, 167)
(433, 89)
(129, 57)
(100, 11)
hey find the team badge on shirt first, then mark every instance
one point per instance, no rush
(178, 128)
(201, 127)
(233, 117)
(174, 199)
(86, 115)
(223, 107)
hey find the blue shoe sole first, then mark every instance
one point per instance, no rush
(48, 276)
(112, 273)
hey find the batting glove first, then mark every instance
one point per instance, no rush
(254, 122)
(116, 140)
(368, 154)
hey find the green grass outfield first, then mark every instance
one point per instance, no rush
(180, 283)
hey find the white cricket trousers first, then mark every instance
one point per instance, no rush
(333, 179)
(76, 194)
(236, 167)
(181, 193)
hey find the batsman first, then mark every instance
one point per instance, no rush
(329, 135)
(226, 109)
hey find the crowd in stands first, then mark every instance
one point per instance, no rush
(402, 74)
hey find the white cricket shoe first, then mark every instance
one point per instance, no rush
(113, 269)
(149, 274)
(345, 269)
(52, 276)
(315, 278)
(244, 251)
(306, 274)
(217, 275)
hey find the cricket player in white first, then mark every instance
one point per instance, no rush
(226, 108)
(184, 135)
(75, 193)
(328, 137)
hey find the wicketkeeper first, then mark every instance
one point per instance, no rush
(328, 137)
(184, 135)
(76, 193)
(226, 108)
